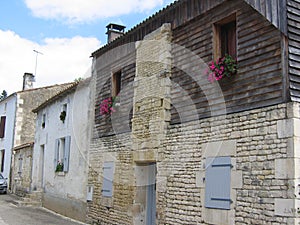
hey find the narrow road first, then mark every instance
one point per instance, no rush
(11, 214)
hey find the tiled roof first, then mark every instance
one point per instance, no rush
(66, 90)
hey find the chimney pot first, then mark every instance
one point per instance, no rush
(28, 79)
(114, 31)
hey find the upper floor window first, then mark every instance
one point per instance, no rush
(44, 120)
(2, 126)
(116, 83)
(63, 113)
(225, 41)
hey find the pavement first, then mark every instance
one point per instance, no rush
(10, 214)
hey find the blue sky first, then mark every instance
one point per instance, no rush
(65, 31)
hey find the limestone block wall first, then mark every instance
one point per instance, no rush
(151, 113)
(21, 177)
(118, 209)
(25, 119)
(265, 179)
(264, 184)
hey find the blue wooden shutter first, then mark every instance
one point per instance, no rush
(151, 195)
(108, 175)
(56, 149)
(217, 183)
(67, 153)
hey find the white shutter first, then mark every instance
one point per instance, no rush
(217, 183)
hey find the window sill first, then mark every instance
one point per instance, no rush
(61, 174)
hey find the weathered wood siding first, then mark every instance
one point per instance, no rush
(113, 56)
(258, 82)
(177, 14)
(272, 10)
(293, 10)
(122, 58)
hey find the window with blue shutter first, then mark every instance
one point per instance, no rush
(217, 183)
(67, 153)
(108, 175)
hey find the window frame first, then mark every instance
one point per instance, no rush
(62, 152)
(2, 126)
(64, 112)
(217, 36)
(116, 83)
(2, 154)
(43, 121)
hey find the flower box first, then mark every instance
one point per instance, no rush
(221, 68)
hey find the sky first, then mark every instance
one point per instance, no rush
(54, 39)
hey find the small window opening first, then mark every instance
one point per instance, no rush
(225, 37)
(2, 154)
(44, 121)
(2, 126)
(116, 83)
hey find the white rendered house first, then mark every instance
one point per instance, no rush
(60, 155)
(7, 127)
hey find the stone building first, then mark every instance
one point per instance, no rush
(18, 123)
(22, 167)
(60, 153)
(170, 147)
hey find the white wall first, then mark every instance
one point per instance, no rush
(8, 109)
(72, 184)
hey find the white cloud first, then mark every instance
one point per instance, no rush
(62, 61)
(84, 11)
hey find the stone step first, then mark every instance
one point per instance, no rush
(27, 203)
(34, 200)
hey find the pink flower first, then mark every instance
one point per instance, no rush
(225, 66)
(106, 106)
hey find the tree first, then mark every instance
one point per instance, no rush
(78, 79)
(3, 95)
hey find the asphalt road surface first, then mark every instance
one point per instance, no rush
(11, 214)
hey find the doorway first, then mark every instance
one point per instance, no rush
(41, 166)
(151, 195)
(146, 193)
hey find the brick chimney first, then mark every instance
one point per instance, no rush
(114, 31)
(28, 79)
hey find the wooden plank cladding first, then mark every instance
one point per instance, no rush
(274, 11)
(177, 14)
(121, 59)
(262, 49)
(293, 12)
(259, 79)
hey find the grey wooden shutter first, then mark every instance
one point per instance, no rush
(217, 183)
(67, 153)
(56, 149)
(108, 175)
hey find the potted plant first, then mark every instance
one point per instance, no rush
(59, 167)
(62, 116)
(223, 67)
